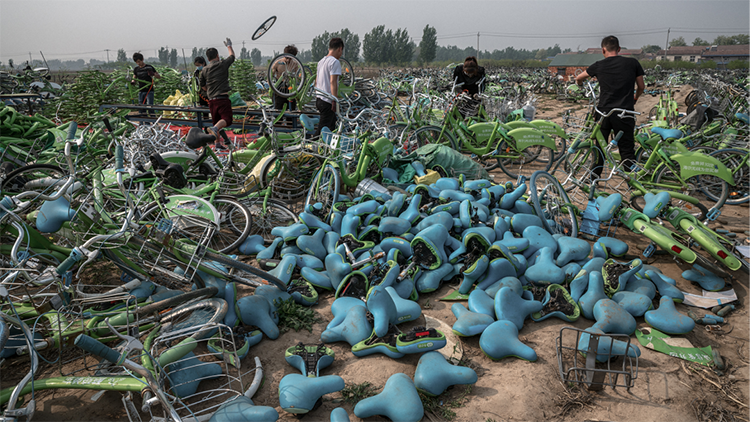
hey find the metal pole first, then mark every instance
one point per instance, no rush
(666, 46)
(477, 45)
(107, 50)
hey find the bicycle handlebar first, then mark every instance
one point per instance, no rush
(100, 349)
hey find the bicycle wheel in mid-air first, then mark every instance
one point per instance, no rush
(264, 27)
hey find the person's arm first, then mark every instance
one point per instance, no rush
(582, 77)
(335, 85)
(156, 74)
(639, 87)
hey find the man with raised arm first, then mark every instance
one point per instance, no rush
(616, 75)
(327, 80)
(214, 79)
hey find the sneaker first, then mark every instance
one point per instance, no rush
(219, 145)
(213, 131)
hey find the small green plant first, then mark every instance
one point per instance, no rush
(443, 407)
(353, 393)
(293, 316)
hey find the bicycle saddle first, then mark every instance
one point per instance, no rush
(508, 200)
(53, 214)
(616, 274)
(354, 327)
(256, 310)
(667, 320)
(337, 268)
(607, 206)
(655, 203)
(498, 269)
(290, 233)
(519, 222)
(511, 307)
(434, 374)
(642, 286)
(399, 401)
(571, 249)
(186, 374)
(383, 310)
(302, 292)
(385, 344)
(428, 247)
(511, 243)
(594, 293)
(557, 303)
(538, 239)
(500, 340)
(447, 183)
(473, 186)
(481, 303)
(431, 279)
(197, 139)
(606, 246)
(742, 117)
(319, 279)
(284, 269)
(667, 133)
(366, 207)
(406, 310)
(635, 304)
(607, 347)
(313, 222)
(300, 394)
(450, 195)
(241, 408)
(252, 245)
(313, 244)
(309, 122)
(544, 271)
(707, 280)
(339, 415)
(472, 271)
(394, 226)
(396, 243)
(354, 285)
(612, 318)
(309, 359)
(469, 323)
(442, 218)
(450, 207)
(663, 287)
(510, 281)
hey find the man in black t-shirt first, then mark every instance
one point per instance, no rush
(616, 75)
(143, 74)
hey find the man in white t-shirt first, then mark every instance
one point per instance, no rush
(329, 70)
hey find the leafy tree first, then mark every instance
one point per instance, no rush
(319, 46)
(351, 44)
(739, 39)
(255, 57)
(163, 55)
(244, 54)
(699, 41)
(428, 45)
(173, 58)
(403, 47)
(652, 49)
(122, 56)
(305, 56)
(677, 42)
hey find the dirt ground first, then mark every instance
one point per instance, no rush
(665, 388)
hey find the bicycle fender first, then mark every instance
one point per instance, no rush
(550, 128)
(709, 243)
(664, 238)
(696, 163)
(192, 205)
(528, 137)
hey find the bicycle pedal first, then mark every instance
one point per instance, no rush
(713, 214)
(649, 251)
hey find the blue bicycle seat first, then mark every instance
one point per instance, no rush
(509, 281)
(353, 329)
(53, 214)
(394, 226)
(606, 246)
(664, 288)
(635, 304)
(298, 393)
(399, 401)
(434, 374)
(431, 279)
(594, 293)
(309, 122)
(290, 233)
(383, 310)
(469, 323)
(313, 244)
(667, 320)
(655, 203)
(667, 133)
(742, 117)
(500, 340)
(612, 318)
(339, 415)
(241, 408)
(256, 310)
(544, 271)
(481, 303)
(607, 206)
(511, 307)
(313, 222)
(707, 280)
(607, 347)
(309, 359)
(571, 249)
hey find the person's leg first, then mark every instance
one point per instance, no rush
(150, 101)
(224, 116)
(626, 143)
(606, 129)
(327, 116)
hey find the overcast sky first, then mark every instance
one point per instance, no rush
(73, 29)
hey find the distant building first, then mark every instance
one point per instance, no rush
(636, 53)
(684, 53)
(723, 54)
(567, 65)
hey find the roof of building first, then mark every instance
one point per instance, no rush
(623, 52)
(727, 50)
(575, 60)
(683, 50)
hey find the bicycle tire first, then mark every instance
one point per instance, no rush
(524, 164)
(197, 229)
(289, 177)
(695, 189)
(733, 159)
(432, 135)
(17, 180)
(347, 72)
(325, 190)
(555, 205)
(263, 28)
(293, 78)
(579, 165)
(276, 215)
(171, 302)
(638, 202)
(235, 223)
(245, 274)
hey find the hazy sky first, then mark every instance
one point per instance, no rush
(73, 29)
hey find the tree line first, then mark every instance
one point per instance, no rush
(739, 39)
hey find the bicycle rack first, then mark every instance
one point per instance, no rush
(580, 366)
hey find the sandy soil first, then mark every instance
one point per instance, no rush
(666, 389)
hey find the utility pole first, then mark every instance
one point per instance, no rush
(477, 45)
(107, 50)
(666, 46)
(30, 58)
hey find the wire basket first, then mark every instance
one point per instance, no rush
(468, 106)
(331, 145)
(582, 365)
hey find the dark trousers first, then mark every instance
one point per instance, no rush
(278, 103)
(614, 125)
(327, 116)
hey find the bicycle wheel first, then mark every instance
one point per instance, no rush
(289, 176)
(695, 187)
(579, 165)
(347, 73)
(171, 302)
(286, 75)
(34, 177)
(195, 228)
(243, 273)
(552, 205)
(324, 190)
(432, 135)
(736, 161)
(274, 214)
(235, 223)
(523, 163)
(264, 27)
